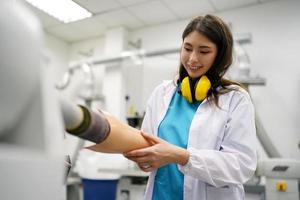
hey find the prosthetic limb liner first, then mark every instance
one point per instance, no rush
(94, 126)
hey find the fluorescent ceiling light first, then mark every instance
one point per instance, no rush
(63, 10)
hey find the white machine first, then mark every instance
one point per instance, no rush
(31, 131)
(282, 176)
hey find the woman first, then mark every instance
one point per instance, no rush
(201, 127)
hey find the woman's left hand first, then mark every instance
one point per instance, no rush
(157, 155)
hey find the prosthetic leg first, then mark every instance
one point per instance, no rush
(109, 134)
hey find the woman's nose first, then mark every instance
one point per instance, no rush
(194, 57)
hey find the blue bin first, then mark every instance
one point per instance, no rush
(99, 189)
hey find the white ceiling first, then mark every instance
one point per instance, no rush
(133, 14)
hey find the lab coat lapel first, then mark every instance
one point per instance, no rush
(167, 97)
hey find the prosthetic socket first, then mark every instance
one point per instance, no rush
(109, 133)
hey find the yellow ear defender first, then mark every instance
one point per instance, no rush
(198, 92)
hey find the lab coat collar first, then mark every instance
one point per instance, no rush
(169, 89)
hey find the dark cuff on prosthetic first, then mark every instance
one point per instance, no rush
(94, 126)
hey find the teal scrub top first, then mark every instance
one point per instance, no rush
(174, 128)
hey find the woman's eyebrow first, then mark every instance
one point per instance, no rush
(204, 47)
(200, 47)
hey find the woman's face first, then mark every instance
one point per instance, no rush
(197, 54)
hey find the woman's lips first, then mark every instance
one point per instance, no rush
(194, 67)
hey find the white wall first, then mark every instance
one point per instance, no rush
(59, 53)
(93, 46)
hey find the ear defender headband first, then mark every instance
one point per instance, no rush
(198, 92)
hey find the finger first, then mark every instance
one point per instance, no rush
(151, 138)
(138, 159)
(144, 159)
(136, 153)
(146, 168)
(130, 158)
(150, 141)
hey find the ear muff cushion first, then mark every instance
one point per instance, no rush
(186, 89)
(202, 88)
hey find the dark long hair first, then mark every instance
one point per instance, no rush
(219, 33)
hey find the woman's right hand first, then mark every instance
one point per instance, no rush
(158, 154)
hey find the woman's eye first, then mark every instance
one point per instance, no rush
(187, 49)
(204, 52)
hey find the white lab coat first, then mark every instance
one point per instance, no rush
(222, 144)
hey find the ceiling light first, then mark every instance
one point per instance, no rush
(63, 10)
